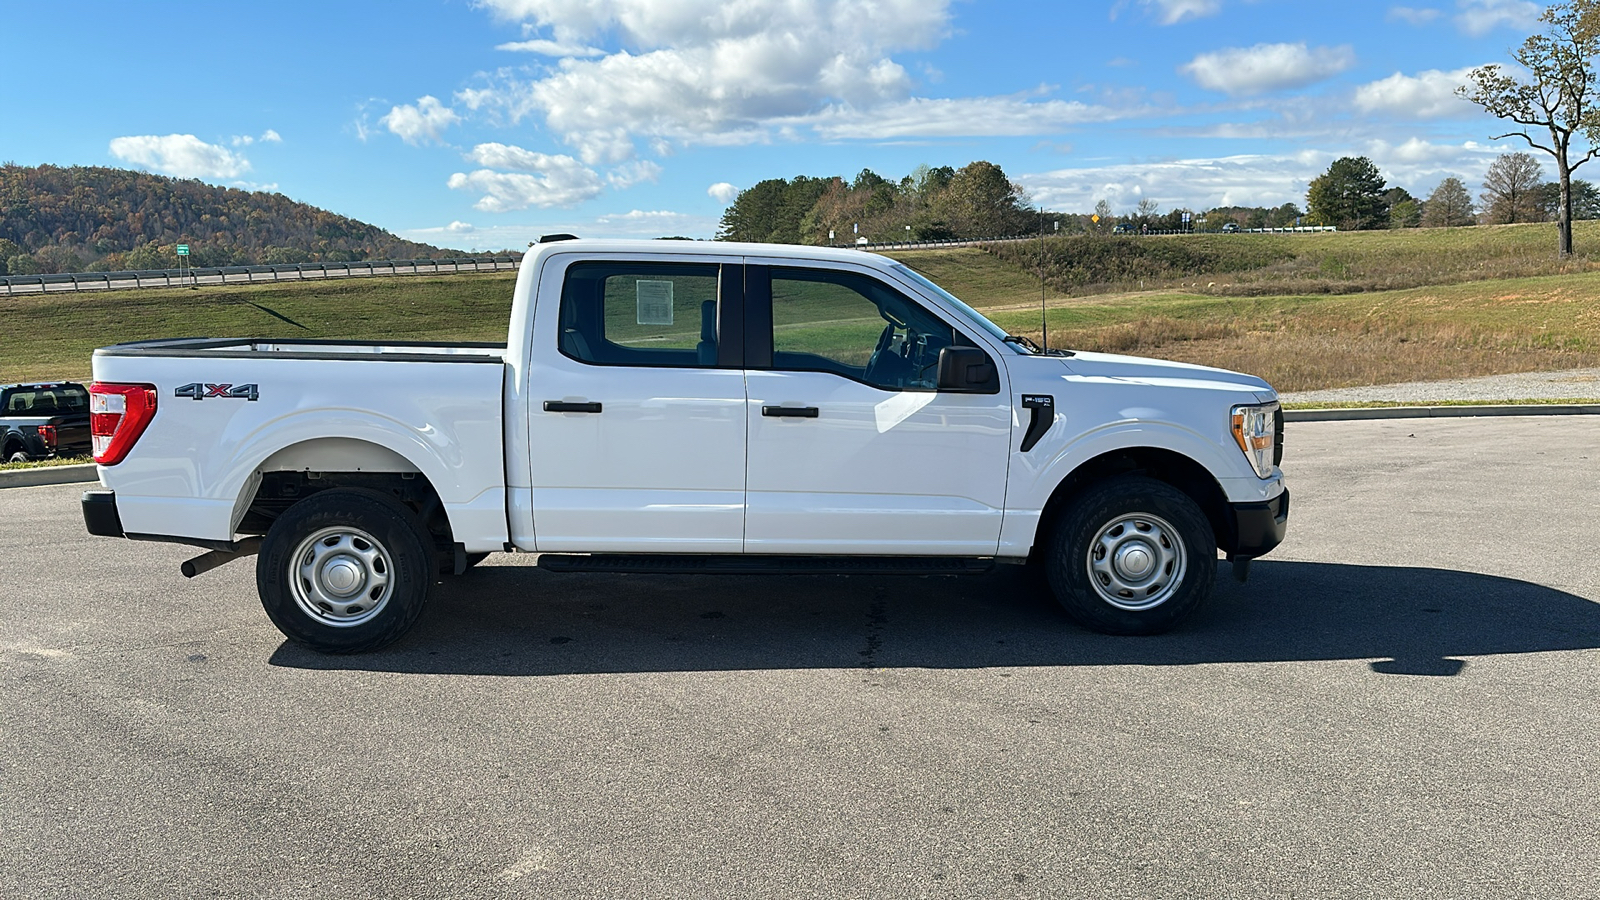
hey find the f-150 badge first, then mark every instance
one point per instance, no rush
(198, 391)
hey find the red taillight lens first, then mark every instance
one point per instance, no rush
(118, 414)
(47, 434)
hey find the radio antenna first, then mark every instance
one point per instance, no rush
(1044, 320)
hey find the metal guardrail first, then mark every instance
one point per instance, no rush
(149, 278)
(973, 242)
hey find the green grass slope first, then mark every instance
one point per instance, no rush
(1486, 301)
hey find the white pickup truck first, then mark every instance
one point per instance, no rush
(667, 406)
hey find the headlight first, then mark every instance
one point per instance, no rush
(1255, 428)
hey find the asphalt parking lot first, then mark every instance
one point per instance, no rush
(1401, 702)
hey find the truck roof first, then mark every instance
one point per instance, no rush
(710, 248)
(40, 385)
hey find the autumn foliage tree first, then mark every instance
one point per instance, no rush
(975, 201)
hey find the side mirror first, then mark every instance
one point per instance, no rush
(967, 370)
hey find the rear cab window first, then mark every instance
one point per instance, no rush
(47, 400)
(641, 314)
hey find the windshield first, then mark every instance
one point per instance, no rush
(971, 314)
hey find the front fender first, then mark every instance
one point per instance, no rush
(1035, 475)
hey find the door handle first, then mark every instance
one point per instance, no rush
(792, 412)
(563, 406)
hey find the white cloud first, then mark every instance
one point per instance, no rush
(1267, 67)
(459, 227)
(630, 174)
(425, 121)
(551, 48)
(963, 117)
(1479, 17)
(1426, 95)
(641, 221)
(539, 179)
(1250, 180)
(182, 155)
(1171, 12)
(700, 73)
(1413, 15)
(722, 192)
(1254, 180)
(634, 224)
(267, 137)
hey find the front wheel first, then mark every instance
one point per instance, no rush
(1132, 556)
(345, 570)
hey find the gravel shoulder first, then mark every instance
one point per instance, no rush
(1566, 385)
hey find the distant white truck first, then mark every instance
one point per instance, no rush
(689, 407)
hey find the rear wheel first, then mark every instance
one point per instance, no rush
(1132, 556)
(15, 456)
(345, 570)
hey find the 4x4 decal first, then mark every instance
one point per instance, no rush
(198, 391)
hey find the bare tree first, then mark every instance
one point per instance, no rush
(1511, 189)
(1103, 210)
(1448, 206)
(1560, 99)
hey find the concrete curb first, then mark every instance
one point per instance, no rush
(49, 475)
(1436, 412)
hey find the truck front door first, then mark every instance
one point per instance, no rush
(853, 450)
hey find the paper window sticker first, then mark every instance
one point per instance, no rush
(654, 302)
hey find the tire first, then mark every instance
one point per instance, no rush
(17, 456)
(345, 571)
(1132, 556)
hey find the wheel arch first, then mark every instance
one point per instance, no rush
(1168, 466)
(302, 469)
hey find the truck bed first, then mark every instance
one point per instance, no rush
(230, 411)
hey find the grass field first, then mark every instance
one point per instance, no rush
(1391, 306)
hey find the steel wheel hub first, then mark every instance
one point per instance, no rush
(341, 576)
(1136, 562)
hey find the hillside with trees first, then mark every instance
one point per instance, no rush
(89, 219)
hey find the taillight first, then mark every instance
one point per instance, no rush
(47, 434)
(118, 414)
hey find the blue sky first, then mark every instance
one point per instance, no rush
(480, 124)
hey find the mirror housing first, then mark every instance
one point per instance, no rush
(967, 370)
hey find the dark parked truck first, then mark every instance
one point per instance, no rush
(39, 421)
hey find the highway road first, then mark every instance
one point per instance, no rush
(1401, 703)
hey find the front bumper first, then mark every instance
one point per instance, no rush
(1258, 527)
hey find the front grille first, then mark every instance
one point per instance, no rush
(1277, 437)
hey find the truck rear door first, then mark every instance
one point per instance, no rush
(637, 419)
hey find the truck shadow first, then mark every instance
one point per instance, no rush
(517, 620)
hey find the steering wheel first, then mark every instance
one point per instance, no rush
(887, 367)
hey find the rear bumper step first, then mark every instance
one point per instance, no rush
(663, 564)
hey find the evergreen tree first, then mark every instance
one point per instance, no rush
(1350, 195)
